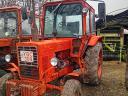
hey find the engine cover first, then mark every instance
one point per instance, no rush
(34, 58)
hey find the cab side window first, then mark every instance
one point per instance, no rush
(88, 23)
(93, 26)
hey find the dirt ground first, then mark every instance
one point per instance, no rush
(112, 84)
(112, 81)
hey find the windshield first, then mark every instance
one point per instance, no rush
(8, 22)
(63, 20)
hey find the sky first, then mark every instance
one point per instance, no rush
(112, 5)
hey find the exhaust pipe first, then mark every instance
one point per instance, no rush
(34, 29)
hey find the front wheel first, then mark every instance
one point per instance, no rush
(3, 80)
(93, 62)
(72, 87)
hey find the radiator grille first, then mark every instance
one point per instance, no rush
(34, 50)
(29, 69)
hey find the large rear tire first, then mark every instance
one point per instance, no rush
(72, 87)
(3, 80)
(93, 61)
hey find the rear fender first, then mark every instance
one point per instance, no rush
(94, 40)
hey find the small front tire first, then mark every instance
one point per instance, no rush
(3, 80)
(72, 87)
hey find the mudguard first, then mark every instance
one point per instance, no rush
(14, 68)
(94, 40)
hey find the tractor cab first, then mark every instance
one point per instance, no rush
(14, 24)
(9, 24)
(14, 27)
(68, 19)
(10, 28)
(63, 20)
(14, 21)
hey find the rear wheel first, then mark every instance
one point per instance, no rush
(93, 61)
(72, 88)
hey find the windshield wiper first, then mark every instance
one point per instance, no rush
(56, 8)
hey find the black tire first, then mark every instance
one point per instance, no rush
(2, 73)
(3, 80)
(72, 87)
(93, 60)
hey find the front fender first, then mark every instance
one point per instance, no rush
(94, 40)
(14, 68)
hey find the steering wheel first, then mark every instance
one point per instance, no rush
(60, 24)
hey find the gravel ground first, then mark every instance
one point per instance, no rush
(112, 81)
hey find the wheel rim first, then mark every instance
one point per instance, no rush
(100, 60)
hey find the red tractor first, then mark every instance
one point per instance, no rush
(12, 30)
(69, 53)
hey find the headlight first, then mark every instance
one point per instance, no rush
(54, 61)
(8, 58)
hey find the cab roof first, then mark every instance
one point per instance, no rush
(4, 8)
(70, 1)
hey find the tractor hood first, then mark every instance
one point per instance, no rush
(57, 44)
(37, 56)
(49, 46)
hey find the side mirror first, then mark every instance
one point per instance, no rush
(102, 13)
